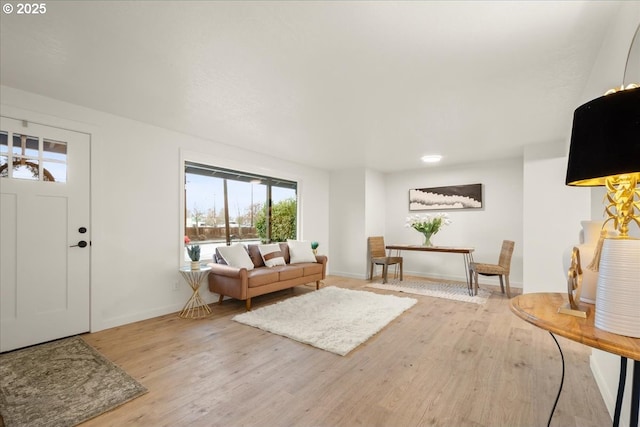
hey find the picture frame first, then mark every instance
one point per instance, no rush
(468, 196)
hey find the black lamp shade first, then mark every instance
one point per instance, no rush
(605, 139)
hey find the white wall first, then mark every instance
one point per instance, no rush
(552, 215)
(347, 222)
(135, 204)
(375, 203)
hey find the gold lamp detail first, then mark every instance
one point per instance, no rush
(605, 150)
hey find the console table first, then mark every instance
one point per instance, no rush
(541, 310)
(467, 255)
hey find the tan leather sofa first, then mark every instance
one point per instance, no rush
(243, 284)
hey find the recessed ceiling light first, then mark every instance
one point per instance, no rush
(432, 158)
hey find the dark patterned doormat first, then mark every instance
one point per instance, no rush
(61, 383)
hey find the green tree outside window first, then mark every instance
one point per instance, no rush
(283, 221)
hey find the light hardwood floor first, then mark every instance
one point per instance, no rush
(441, 363)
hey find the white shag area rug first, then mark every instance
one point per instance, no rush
(452, 291)
(332, 319)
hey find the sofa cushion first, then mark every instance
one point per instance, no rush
(300, 251)
(271, 255)
(254, 254)
(285, 252)
(312, 268)
(236, 256)
(288, 272)
(262, 276)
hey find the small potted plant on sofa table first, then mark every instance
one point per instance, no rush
(194, 254)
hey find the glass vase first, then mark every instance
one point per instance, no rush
(427, 239)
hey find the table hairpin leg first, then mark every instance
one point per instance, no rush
(395, 266)
(621, 383)
(561, 380)
(468, 259)
(635, 392)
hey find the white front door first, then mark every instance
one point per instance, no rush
(44, 214)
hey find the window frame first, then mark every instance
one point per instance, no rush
(233, 168)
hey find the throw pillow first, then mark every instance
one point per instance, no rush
(236, 256)
(272, 255)
(300, 251)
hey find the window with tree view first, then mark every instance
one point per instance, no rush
(223, 206)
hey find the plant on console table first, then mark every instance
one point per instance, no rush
(428, 225)
(194, 254)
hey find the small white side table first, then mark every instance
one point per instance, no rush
(195, 308)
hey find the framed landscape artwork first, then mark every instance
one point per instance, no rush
(452, 197)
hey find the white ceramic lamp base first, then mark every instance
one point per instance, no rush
(618, 289)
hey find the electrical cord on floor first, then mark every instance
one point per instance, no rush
(561, 381)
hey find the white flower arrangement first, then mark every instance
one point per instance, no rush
(428, 224)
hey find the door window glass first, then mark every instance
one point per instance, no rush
(31, 158)
(4, 143)
(4, 150)
(54, 154)
(26, 169)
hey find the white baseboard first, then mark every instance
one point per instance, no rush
(349, 275)
(208, 297)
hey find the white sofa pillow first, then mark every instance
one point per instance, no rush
(271, 255)
(236, 256)
(300, 251)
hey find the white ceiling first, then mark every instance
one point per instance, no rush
(327, 84)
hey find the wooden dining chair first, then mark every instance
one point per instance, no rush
(502, 268)
(378, 256)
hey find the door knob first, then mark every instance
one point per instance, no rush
(81, 244)
(82, 230)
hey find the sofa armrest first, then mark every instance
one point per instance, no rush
(228, 281)
(227, 271)
(322, 259)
